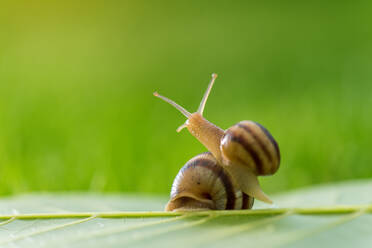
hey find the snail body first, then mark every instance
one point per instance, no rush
(203, 184)
(246, 150)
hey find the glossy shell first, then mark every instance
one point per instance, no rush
(250, 144)
(204, 184)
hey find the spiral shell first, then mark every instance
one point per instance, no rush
(202, 183)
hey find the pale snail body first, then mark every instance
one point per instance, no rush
(246, 150)
(203, 184)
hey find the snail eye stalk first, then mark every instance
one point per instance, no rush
(206, 94)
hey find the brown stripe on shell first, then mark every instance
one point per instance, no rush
(245, 201)
(271, 138)
(240, 139)
(259, 140)
(221, 174)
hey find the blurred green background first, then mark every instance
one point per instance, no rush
(76, 84)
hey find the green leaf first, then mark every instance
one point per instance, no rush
(337, 215)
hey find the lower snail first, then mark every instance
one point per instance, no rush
(203, 184)
(242, 152)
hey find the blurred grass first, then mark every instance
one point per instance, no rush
(76, 83)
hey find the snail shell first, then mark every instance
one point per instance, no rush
(250, 144)
(202, 183)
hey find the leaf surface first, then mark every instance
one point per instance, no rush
(338, 215)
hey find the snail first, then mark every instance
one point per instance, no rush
(246, 150)
(203, 184)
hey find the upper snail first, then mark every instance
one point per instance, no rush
(246, 150)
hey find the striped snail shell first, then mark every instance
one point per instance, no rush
(249, 143)
(203, 184)
(246, 150)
